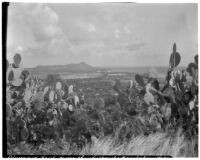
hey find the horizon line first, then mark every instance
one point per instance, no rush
(106, 66)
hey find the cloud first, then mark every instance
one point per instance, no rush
(135, 46)
(35, 28)
(91, 28)
(117, 33)
(43, 21)
(101, 33)
(38, 19)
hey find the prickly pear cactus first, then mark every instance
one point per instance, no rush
(175, 58)
(192, 69)
(139, 80)
(196, 59)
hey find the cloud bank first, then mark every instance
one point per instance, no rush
(103, 34)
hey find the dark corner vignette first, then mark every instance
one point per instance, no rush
(4, 41)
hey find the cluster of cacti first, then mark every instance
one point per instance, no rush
(33, 108)
(39, 110)
(16, 77)
(178, 100)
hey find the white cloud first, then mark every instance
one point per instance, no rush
(35, 28)
(65, 33)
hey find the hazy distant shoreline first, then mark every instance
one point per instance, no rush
(75, 70)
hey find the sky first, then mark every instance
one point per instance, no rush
(102, 34)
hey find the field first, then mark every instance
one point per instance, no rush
(100, 87)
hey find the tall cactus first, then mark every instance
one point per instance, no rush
(175, 58)
(196, 59)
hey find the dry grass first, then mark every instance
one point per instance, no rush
(154, 144)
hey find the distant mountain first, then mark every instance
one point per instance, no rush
(56, 69)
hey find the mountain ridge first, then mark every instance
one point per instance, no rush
(72, 67)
